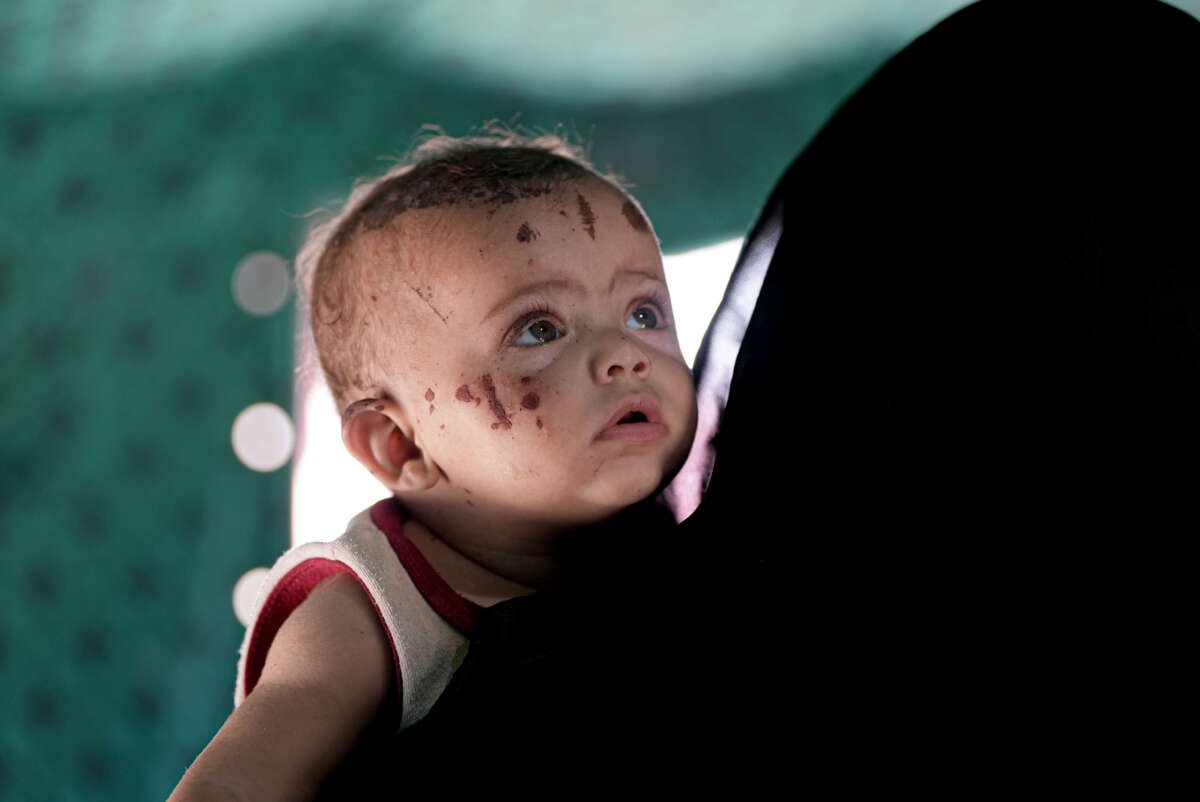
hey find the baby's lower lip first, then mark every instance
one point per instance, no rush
(643, 432)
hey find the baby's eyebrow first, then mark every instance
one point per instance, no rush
(633, 273)
(533, 288)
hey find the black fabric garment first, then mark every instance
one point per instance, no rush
(944, 543)
(564, 693)
(959, 454)
(983, 284)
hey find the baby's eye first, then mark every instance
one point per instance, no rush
(644, 317)
(537, 332)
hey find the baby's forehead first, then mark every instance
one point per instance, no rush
(417, 232)
(456, 244)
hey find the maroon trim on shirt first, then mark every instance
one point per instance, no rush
(296, 585)
(459, 612)
(285, 597)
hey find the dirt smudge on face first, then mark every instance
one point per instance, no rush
(426, 295)
(636, 221)
(587, 217)
(464, 394)
(359, 405)
(489, 389)
(531, 401)
(526, 234)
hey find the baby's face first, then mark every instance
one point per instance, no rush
(545, 376)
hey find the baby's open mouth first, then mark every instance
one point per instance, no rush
(638, 420)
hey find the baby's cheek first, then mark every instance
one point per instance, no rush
(495, 406)
(532, 393)
(502, 402)
(467, 404)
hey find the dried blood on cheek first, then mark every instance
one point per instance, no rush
(530, 400)
(489, 389)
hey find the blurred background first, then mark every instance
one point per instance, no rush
(158, 159)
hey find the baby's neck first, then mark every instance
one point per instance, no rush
(478, 570)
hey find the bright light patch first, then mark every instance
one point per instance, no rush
(697, 282)
(263, 437)
(329, 487)
(261, 283)
(245, 593)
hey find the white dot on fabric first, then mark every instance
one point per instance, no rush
(261, 283)
(245, 592)
(263, 437)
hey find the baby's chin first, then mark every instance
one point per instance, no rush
(626, 489)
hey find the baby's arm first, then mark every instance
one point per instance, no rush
(328, 673)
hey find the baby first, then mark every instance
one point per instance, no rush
(493, 322)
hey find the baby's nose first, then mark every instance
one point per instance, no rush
(621, 356)
(638, 367)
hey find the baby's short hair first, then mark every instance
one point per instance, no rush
(491, 168)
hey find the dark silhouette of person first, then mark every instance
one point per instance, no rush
(955, 456)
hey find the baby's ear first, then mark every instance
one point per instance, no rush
(377, 432)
